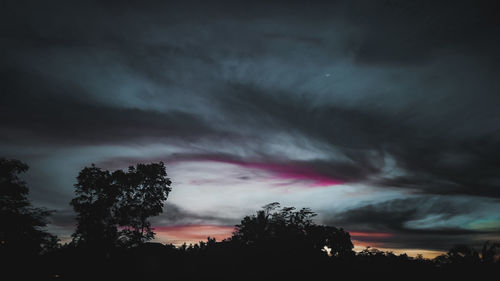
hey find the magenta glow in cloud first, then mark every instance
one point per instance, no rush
(289, 171)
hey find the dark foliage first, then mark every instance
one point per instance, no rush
(289, 232)
(274, 244)
(113, 208)
(22, 225)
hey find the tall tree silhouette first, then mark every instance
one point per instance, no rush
(114, 208)
(95, 205)
(143, 188)
(22, 228)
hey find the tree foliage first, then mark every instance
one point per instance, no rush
(22, 227)
(288, 230)
(465, 255)
(114, 208)
(94, 204)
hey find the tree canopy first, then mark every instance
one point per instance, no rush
(113, 208)
(289, 230)
(22, 228)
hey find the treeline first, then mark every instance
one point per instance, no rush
(112, 231)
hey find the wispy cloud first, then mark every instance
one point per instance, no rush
(370, 102)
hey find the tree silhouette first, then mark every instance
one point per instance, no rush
(113, 208)
(462, 255)
(22, 228)
(489, 252)
(465, 255)
(143, 188)
(287, 230)
(95, 206)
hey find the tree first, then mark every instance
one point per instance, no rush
(95, 206)
(463, 254)
(114, 208)
(143, 188)
(489, 252)
(285, 229)
(22, 228)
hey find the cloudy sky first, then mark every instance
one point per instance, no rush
(381, 116)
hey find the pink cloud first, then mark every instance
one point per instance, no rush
(288, 171)
(292, 170)
(362, 240)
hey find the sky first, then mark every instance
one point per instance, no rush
(381, 116)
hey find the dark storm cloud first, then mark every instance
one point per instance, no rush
(175, 215)
(400, 219)
(408, 32)
(380, 33)
(432, 160)
(395, 94)
(37, 111)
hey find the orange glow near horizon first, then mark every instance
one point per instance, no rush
(428, 254)
(179, 234)
(192, 234)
